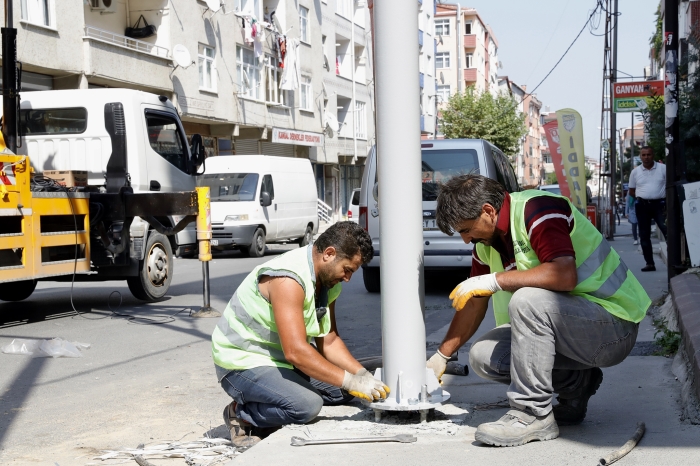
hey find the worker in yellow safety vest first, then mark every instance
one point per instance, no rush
(565, 304)
(262, 345)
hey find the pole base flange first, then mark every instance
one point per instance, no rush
(207, 311)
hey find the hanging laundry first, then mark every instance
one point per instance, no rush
(282, 50)
(291, 76)
(248, 34)
(258, 40)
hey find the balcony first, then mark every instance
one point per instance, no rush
(125, 60)
(469, 41)
(420, 38)
(470, 75)
(421, 80)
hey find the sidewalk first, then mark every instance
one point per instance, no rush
(642, 388)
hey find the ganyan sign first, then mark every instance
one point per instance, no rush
(635, 96)
(300, 138)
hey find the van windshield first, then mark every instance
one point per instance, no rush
(439, 166)
(230, 187)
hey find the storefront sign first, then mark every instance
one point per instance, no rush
(300, 138)
(635, 96)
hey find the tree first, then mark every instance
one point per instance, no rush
(471, 114)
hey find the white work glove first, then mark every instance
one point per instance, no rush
(363, 372)
(481, 286)
(364, 386)
(438, 363)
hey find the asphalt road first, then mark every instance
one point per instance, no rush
(148, 375)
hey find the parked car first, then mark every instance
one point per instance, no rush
(354, 207)
(551, 188)
(260, 199)
(441, 160)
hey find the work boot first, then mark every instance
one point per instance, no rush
(571, 409)
(517, 427)
(242, 435)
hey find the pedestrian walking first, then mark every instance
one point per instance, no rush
(648, 186)
(632, 217)
(557, 322)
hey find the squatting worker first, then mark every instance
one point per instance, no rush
(648, 186)
(262, 344)
(565, 304)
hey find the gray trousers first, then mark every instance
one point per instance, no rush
(553, 338)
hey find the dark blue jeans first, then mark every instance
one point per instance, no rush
(273, 396)
(648, 210)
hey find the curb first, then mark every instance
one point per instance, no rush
(685, 291)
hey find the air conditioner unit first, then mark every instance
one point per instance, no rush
(106, 6)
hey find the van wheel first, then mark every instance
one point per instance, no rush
(307, 238)
(370, 275)
(155, 270)
(257, 248)
(17, 291)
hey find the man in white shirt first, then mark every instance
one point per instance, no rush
(648, 186)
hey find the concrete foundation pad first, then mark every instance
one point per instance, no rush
(624, 398)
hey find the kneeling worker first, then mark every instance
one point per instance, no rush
(565, 304)
(261, 345)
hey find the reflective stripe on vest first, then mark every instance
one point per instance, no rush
(612, 284)
(593, 262)
(238, 341)
(252, 324)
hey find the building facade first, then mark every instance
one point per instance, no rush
(245, 76)
(466, 53)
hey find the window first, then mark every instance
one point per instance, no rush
(248, 72)
(442, 60)
(165, 138)
(442, 27)
(230, 187)
(53, 121)
(38, 12)
(468, 27)
(268, 186)
(468, 60)
(360, 120)
(304, 24)
(345, 8)
(250, 8)
(207, 68)
(305, 96)
(273, 93)
(443, 93)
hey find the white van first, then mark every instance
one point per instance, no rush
(259, 199)
(441, 159)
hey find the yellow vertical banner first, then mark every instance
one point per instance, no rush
(571, 143)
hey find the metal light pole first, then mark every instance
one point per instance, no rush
(400, 201)
(673, 207)
(613, 128)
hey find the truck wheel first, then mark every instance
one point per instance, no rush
(257, 248)
(17, 291)
(155, 270)
(370, 275)
(307, 238)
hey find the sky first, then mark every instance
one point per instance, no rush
(533, 34)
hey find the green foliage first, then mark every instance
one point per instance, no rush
(654, 120)
(482, 116)
(656, 39)
(551, 178)
(668, 341)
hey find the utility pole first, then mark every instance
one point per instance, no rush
(613, 128)
(673, 207)
(10, 88)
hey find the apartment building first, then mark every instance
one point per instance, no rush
(429, 97)
(259, 81)
(466, 52)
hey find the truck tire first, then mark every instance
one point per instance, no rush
(155, 270)
(308, 237)
(370, 275)
(257, 247)
(17, 291)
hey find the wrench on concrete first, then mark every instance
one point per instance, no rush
(403, 438)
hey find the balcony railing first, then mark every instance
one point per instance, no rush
(420, 38)
(470, 75)
(127, 42)
(469, 41)
(421, 80)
